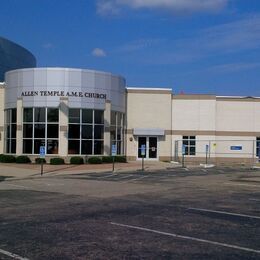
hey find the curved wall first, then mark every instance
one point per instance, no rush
(43, 87)
(14, 56)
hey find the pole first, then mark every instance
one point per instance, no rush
(41, 167)
(253, 154)
(183, 166)
(113, 163)
(206, 156)
(143, 163)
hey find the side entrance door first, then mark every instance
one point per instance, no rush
(151, 147)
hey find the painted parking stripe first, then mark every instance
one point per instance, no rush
(241, 184)
(136, 179)
(188, 238)
(124, 177)
(107, 176)
(254, 199)
(225, 213)
(17, 186)
(14, 256)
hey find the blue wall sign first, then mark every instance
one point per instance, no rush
(236, 148)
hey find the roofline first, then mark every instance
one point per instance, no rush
(67, 69)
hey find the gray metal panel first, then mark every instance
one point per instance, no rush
(66, 80)
(149, 131)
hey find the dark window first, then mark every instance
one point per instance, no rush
(190, 144)
(99, 132)
(99, 117)
(39, 131)
(37, 144)
(28, 130)
(98, 147)
(87, 116)
(87, 132)
(52, 146)
(74, 115)
(27, 146)
(74, 131)
(39, 114)
(86, 147)
(53, 115)
(52, 131)
(28, 115)
(74, 146)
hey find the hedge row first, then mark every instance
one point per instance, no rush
(6, 158)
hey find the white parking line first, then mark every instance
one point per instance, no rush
(254, 199)
(136, 179)
(14, 256)
(107, 176)
(186, 169)
(188, 238)
(224, 213)
(124, 177)
(204, 170)
(18, 186)
(241, 184)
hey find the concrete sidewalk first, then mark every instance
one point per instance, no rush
(32, 170)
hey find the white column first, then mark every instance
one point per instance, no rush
(107, 121)
(2, 117)
(19, 126)
(63, 126)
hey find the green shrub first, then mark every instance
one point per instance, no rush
(56, 161)
(120, 159)
(76, 160)
(40, 160)
(1, 157)
(107, 159)
(23, 159)
(7, 158)
(94, 160)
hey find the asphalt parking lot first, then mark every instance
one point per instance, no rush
(169, 214)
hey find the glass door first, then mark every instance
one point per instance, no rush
(150, 144)
(152, 147)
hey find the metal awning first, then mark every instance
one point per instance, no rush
(149, 131)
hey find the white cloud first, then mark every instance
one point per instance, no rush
(97, 52)
(48, 45)
(140, 44)
(231, 38)
(111, 7)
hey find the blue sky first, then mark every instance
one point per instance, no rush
(191, 46)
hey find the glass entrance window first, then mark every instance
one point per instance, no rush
(151, 148)
(141, 142)
(40, 128)
(86, 131)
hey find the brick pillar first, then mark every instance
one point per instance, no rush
(107, 121)
(63, 129)
(19, 126)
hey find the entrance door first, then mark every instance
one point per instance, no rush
(150, 147)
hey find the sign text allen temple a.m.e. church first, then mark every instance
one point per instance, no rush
(46, 93)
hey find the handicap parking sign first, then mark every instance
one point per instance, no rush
(42, 151)
(113, 149)
(143, 149)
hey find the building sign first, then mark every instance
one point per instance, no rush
(236, 147)
(47, 93)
